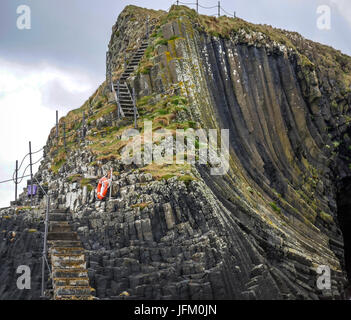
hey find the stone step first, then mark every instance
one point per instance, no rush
(68, 257)
(64, 243)
(58, 216)
(73, 291)
(58, 211)
(67, 250)
(62, 226)
(70, 273)
(71, 236)
(73, 297)
(68, 264)
(64, 282)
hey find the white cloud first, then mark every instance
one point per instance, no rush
(27, 111)
(344, 8)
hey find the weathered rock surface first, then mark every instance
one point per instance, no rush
(258, 232)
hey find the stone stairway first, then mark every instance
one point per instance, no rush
(125, 96)
(68, 266)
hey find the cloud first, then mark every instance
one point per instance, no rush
(28, 96)
(344, 9)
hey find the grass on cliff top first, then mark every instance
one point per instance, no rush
(324, 57)
(225, 26)
(138, 13)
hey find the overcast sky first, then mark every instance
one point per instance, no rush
(60, 61)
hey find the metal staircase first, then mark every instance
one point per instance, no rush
(124, 97)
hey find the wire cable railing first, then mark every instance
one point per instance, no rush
(198, 5)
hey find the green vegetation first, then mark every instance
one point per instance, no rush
(87, 183)
(142, 205)
(275, 207)
(326, 217)
(186, 179)
(58, 161)
(167, 176)
(74, 178)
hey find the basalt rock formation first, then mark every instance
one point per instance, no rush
(261, 230)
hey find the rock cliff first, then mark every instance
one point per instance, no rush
(175, 231)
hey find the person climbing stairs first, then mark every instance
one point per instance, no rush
(68, 265)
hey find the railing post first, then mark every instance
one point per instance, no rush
(116, 96)
(197, 6)
(31, 173)
(177, 2)
(111, 178)
(134, 109)
(107, 71)
(57, 129)
(147, 27)
(83, 126)
(125, 62)
(219, 9)
(118, 102)
(46, 223)
(16, 181)
(64, 135)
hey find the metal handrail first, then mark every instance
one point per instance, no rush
(44, 253)
(129, 92)
(120, 110)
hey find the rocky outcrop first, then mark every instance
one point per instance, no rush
(21, 244)
(258, 232)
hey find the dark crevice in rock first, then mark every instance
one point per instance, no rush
(344, 219)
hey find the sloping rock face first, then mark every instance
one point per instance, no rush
(285, 133)
(21, 244)
(261, 230)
